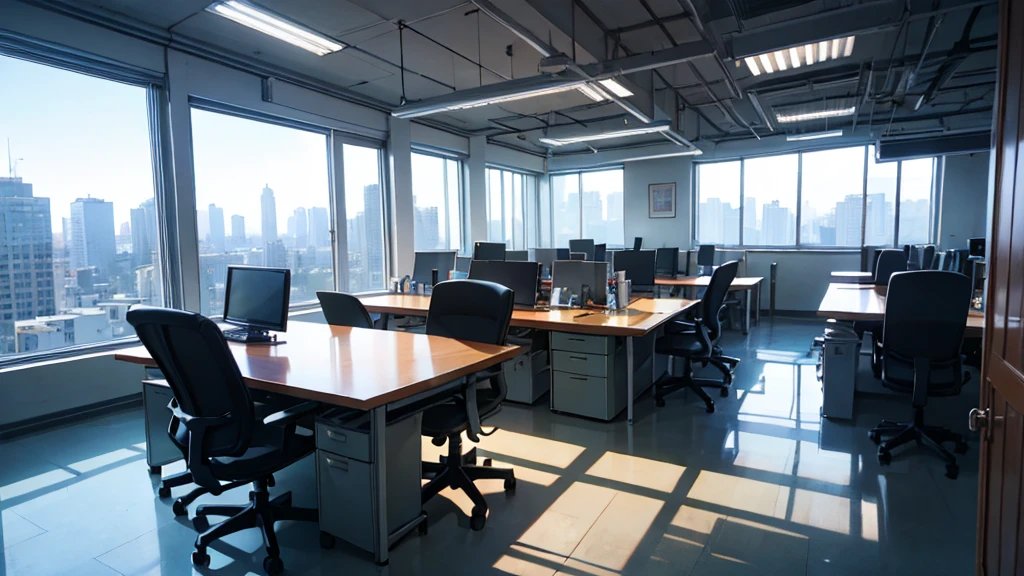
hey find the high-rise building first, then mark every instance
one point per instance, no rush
(751, 233)
(425, 227)
(319, 228)
(238, 230)
(849, 216)
(718, 222)
(776, 225)
(373, 242)
(878, 225)
(92, 236)
(26, 258)
(268, 213)
(217, 229)
(144, 239)
(301, 231)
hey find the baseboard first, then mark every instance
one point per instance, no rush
(70, 416)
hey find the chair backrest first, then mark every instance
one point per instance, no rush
(889, 262)
(584, 245)
(666, 261)
(925, 317)
(193, 356)
(927, 256)
(342, 309)
(706, 255)
(474, 310)
(600, 252)
(638, 243)
(714, 297)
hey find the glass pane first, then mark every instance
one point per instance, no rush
(602, 207)
(916, 201)
(530, 211)
(881, 192)
(769, 201)
(507, 192)
(718, 209)
(833, 203)
(429, 211)
(364, 215)
(565, 193)
(273, 182)
(78, 223)
(518, 226)
(494, 205)
(454, 179)
(544, 212)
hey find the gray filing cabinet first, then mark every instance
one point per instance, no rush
(527, 375)
(156, 395)
(345, 472)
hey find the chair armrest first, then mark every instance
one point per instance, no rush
(290, 415)
(197, 427)
(680, 326)
(473, 428)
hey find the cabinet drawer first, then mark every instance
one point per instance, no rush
(343, 441)
(579, 363)
(581, 343)
(346, 510)
(580, 395)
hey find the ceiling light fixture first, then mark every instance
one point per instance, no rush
(818, 115)
(813, 135)
(788, 58)
(272, 25)
(616, 88)
(591, 93)
(649, 129)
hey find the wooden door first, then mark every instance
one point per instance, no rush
(1000, 546)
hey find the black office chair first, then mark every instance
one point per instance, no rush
(698, 342)
(925, 319)
(217, 416)
(638, 243)
(706, 256)
(889, 262)
(476, 311)
(342, 309)
(667, 262)
(600, 252)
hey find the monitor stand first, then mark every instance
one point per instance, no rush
(251, 336)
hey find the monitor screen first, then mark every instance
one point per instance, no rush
(573, 274)
(257, 297)
(639, 266)
(425, 262)
(489, 251)
(976, 246)
(522, 277)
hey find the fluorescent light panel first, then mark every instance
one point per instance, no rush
(616, 88)
(605, 135)
(813, 135)
(798, 56)
(818, 115)
(591, 93)
(272, 25)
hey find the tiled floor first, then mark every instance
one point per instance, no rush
(762, 486)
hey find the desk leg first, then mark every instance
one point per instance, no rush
(629, 379)
(746, 316)
(385, 319)
(757, 307)
(378, 423)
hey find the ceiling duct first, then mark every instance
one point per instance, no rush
(930, 146)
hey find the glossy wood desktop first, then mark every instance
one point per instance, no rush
(642, 316)
(852, 277)
(353, 367)
(739, 283)
(866, 302)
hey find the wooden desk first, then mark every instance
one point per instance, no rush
(357, 368)
(640, 318)
(866, 302)
(750, 285)
(853, 277)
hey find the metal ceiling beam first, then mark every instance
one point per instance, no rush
(650, 23)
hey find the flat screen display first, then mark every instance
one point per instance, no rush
(257, 297)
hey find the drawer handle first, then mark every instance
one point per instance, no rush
(578, 378)
(584, 358)
(339, 464)
(576, 340)
(337, 436)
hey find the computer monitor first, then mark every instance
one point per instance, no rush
(523, 278)
(666, 262)
(573, 274)
(462, 263)
(584, 245)
(638, 243)
(976, 247)
(706, 255)
(600, 253)
(639, 266)
(256, 298)
(489, 251)
(516, 255)
(561, 253)
(426, 261)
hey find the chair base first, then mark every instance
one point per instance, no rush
(180, 506)
(459, 471)
(669, 383)
(931, 437)
(261, 512)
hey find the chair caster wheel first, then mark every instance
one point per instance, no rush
(961, 448)
(724, 392)
(952, 471)
(273, 565)
(179, 508)
(477, 519)
(659, 402)
(875, 437)
(163, 492)
(154, 470)
(326, 540)
(201, 524)
(884, 457)
(510, 485)
(270, 484)
(423, 528)
(200, 558)
(710, 409)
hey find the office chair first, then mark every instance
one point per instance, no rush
(706, 255)
(342, 309)
(698, 342)
(638, 243)
(476, 311)
(600, 252)
(925, 318)
(667, 262)
(584, 245)
(889, 262)
(218, 420)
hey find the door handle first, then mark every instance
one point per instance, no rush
(978, 419)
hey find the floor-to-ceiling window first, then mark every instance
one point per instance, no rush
(80, 238)
(512, 208)
(364, 214)
(436, 190)
(588, 205)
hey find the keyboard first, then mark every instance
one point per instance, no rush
(245, 336)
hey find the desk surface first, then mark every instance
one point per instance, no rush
(642, 316)
(739, 283)
(353, 367)
(866, 302)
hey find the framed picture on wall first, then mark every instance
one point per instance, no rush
(662, 199)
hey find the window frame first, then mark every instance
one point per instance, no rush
(937, 162)
(579, 172)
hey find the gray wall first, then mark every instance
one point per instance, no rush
(964, 200)
(657, 232)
